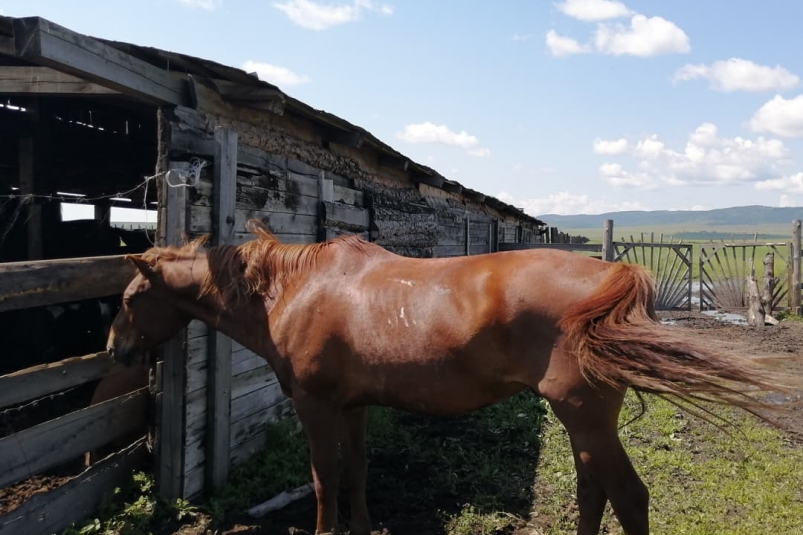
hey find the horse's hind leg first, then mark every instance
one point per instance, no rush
(590, 417)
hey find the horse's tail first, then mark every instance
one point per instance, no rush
(618, 340)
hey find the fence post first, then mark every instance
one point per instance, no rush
(218, 387)
(794, 258)
(468, 234)
(607, 240)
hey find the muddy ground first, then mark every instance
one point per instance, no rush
(392, 495)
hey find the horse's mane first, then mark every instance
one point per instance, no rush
(259, 266)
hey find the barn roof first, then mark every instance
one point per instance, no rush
(153, 75)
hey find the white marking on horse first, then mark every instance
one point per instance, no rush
(402, 317)
(403, 281)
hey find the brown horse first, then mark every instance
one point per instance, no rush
(346, 324)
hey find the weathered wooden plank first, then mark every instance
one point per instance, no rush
(345, 216)
(218, 385)
(268, 193)
(458, 250)
(242, 237)
(48, 282)
(44, 81)
(200, 221)
(51, 512)
(348, 196)
(55, 46)
(46, 445)
(243, 407)
(246, 448)
(247, 382)
(594, 247)
(174, 374)
(38, 381)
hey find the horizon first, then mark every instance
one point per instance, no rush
(562, 107)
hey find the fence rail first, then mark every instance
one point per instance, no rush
(37, 448)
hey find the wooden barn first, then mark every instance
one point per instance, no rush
(110, 125)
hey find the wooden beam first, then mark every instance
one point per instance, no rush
(53, 442)
(44, 379)
(436, 181)
(171, 400)
(452, 187)
(27, 179)
(55, 46)
(342, 137)
(394, 162)
(53, 511)
(45, 81)
(254, 96)
(592, 247)
(48, 282)
(218, 386)
(7, 45)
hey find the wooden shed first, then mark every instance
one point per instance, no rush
(208, 146)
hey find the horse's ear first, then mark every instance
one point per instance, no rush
(144, 267)
(260, 230)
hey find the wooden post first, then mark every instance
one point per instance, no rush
(607, 240)
(755, 313)
(553, 235)
(769, 283)
(171, 400)
(468, 234)
(794, 258)
(326, 193)
(218, 386)
(27, 177)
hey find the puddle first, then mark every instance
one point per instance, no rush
(668, 322)
(727, 317)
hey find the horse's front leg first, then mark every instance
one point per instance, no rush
(356, 464)
(321, 421)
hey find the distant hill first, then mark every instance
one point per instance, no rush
(740, 215)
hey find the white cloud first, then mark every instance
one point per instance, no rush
(787, 201)
(736, 74)
(209, 5)
(780, 116)
(564, 46)
(565, 203)
(789, 184)
(706, 159)
(318, 16)
(428, 132)
(517, 37)
(274, 74)
(612, 148)
(593, 10)
(645, 37)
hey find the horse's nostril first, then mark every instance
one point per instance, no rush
(110, 351)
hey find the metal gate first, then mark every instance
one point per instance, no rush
(724, 268)
(670, 263)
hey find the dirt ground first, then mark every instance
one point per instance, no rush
(401, 517)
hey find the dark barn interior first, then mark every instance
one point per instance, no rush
(71, 155)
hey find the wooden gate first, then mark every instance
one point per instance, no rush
(724, 268)
(670, 263)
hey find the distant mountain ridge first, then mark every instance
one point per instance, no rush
(739, 215)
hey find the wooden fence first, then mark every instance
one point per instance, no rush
(38, 448)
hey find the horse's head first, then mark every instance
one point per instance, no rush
(148, 316)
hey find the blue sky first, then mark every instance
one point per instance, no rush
(570, 106)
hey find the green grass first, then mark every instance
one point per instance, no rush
(701, 480)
